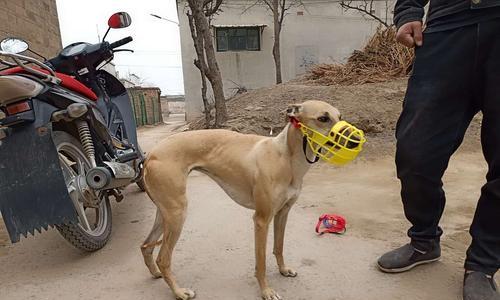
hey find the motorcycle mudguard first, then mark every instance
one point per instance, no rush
(121, 101)
(33, 194)
(124, 105)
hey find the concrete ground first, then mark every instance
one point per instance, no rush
(215, 253)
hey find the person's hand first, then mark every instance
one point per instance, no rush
(410, 34)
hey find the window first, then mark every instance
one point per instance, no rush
(238, 38)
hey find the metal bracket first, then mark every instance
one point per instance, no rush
(20, 60)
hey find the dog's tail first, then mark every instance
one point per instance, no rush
(153, 238)
(150, 243)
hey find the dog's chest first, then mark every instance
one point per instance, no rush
(288, 196)
(292, 192)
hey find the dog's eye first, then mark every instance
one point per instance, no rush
(323, 119)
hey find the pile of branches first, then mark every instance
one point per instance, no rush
(382, 59)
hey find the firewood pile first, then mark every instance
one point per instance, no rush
(382, 59)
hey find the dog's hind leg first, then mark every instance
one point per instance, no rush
(280, 220)
(150, 243)
(174, 217)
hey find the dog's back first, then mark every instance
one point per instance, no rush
(199, 149)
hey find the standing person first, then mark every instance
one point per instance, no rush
(456, 74)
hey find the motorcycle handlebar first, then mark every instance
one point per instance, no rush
(120, 42)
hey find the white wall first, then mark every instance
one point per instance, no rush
(323, 34)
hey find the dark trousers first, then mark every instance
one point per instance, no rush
(456, 74)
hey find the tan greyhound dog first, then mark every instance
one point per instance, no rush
(260, 173)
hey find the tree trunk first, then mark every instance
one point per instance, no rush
(199, 62)
(277, 34)
(212, 71)
(206, 104)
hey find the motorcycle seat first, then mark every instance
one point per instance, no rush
(66, 81)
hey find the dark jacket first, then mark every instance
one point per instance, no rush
(413, 10)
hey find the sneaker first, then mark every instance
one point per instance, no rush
(406, 258)
(479, 286)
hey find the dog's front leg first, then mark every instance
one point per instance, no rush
(279, 239)
(261, 232)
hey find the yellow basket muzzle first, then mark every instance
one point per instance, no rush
(342, 145)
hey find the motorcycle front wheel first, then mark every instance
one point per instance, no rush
(93, 229)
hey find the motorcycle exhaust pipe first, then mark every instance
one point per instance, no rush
(114, 175)
(98, 178)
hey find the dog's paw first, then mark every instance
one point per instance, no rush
(270, 294)
(156, 274)
(184, 294)
(287, 272)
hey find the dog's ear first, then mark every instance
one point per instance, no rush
(294, 110)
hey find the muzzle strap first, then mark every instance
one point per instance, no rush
(304, 147)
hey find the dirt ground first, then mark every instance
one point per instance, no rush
(372, 107)
(215, 255)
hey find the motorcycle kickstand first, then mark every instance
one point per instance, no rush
(117, 194)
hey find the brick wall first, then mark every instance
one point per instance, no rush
(146, 104)
(35, 21)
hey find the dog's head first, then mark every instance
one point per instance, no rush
(329, 137)
(317, 115)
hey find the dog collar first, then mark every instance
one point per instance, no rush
(295, 122)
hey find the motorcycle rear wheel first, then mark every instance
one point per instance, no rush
(93, 229)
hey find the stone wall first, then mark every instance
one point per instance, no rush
(173, 105)
(35, 21)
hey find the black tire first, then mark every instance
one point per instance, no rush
(80, 239)
(75, 233)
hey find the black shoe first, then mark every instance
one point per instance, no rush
(406, 258)
(479, 286)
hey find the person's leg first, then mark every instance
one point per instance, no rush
(437, 110)
(484, 253)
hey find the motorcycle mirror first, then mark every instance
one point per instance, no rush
(13, 45)
(119, 20)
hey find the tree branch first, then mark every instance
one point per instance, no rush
(251, 6)
(364, 9)
(269, 4)
(215, 7)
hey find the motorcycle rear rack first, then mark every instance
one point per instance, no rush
(22, 60)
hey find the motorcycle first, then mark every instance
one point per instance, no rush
(68, 140)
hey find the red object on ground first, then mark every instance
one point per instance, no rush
(66, 81)
(332, 224)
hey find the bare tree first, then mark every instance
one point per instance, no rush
(366, 8)
(199, 15)
(279, 8)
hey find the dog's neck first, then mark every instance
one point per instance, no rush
(291, 139)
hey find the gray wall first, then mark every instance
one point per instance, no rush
(319, 33)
